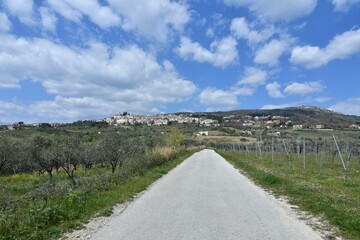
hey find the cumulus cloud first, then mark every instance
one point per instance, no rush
(295, 88)
(303, 88)
(221, 54)
(277, 10)
(344, 5)
(270, 52)
(243, 91)
(323, 99)
(274, 91)
(279, 106)
(161, 18)
(253, 77)
(65, 10)
(340, 47)
(74, 10)
(241, 29)
(97, 76)
(6, 107)
(48, 19)
(5, 24)
(23, 9)
(350, 106)
(217, 98)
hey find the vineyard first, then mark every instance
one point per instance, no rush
(318, 156)
(320, 176)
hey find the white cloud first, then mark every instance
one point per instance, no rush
(243, 91)
(221, 54)
(253, 77)
(270, 53)
(217, 98)
(155, 19)
(344, 5)
(278, 10)
(65, 10)
(274, 91)
(48, 19)
(323, 99)
(103, 16)
(279, 106)
(5, 24)
(84, 79)
(23, 9)
(6, 107)
(241, 29)
(350, 106)
(304, 88)
(210, 32)
(340, 47)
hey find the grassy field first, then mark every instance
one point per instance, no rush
(325, 195)
(32, 207)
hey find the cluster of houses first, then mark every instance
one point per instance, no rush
(259, 121)
(279, 122)
(159, 120)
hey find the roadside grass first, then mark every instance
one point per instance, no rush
(32, 207)
(325, 195)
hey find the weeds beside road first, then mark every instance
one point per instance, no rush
(32, 207)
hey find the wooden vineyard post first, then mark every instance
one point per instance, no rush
(349, 154)
(272, 149)
(342, 160)
(304, 153)
(322, 158)
(316, 151)
(259, 145)
(256, 149)
(287, 151)
(298, 149)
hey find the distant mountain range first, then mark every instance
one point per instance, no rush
(307, 115)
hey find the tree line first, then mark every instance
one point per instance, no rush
(67, 152)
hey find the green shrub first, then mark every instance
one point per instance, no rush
(271, 179)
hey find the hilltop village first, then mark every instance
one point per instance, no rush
(159, 120)
(317, 119)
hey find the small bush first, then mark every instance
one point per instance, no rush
(106, 212)
(271, 179)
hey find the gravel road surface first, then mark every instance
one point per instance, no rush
(205, 198)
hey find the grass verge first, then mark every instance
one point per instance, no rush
(324, 195)
(33, 208)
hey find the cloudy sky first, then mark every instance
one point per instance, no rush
(65, 60)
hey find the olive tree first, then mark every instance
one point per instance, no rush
(43, 152)
(69, 155)
(5, 153)
(115, 148)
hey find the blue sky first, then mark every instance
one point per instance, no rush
(66, 60)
